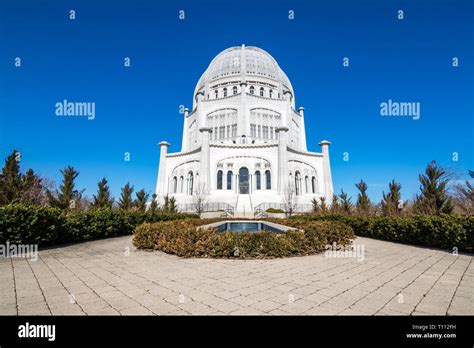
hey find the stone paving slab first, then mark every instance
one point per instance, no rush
(111, 277)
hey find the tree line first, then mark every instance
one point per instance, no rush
(434, 197)
(29, 188)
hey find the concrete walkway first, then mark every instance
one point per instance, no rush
(111, 277)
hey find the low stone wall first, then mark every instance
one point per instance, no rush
(276, 215)
(212, 214)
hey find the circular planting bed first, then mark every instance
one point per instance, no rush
(207, 238)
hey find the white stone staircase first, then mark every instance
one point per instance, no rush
(243, 206)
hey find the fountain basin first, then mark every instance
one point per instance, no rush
(247, 226)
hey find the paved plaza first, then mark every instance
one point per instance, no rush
(111, 277)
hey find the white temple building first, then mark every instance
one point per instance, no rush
(244, 142)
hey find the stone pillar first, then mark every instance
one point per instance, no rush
(302, 130)
(200, 118)
(204, 170)
(282, 181)
(184, 144)
(327, 178)
(250, 183)
(242, 122)
(224, 179)
(161, 184)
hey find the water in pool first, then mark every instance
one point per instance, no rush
(246, 227)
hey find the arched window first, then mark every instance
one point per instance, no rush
(229, 179)
(175, 185)
(190, 183)
(216, 93)
(298, 183)
(270, 93)
(313, 184)
(219, 180)
(268, 180)
(262, 91)
(181, 180)
(252, 90)
(234, 90)
(306, 184)
(258, 180)
(225, 92)
(244, 181)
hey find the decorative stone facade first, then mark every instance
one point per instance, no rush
(244, 143)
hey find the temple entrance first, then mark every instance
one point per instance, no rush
(244, 181)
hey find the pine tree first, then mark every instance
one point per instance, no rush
(32, 190)
(169, 205)
(346, 204)
(154, 207)
(126, 202)
(10, 180)
(434, 198)
(363, 202)
(103, 198)
(465, 195)
(140, 201)
(173, 208)
(391, 200)
(66, 197)
(335, 208)
(323, 205)
(166, 203)
(315, 205)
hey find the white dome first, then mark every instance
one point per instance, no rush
(243, 62)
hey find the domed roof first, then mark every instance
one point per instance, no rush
(243, 61)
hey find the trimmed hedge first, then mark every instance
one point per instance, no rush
(274, 211)
(182, 238)
(45, 226)
(440, 231)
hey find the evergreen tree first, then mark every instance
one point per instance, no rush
(335, 208)
(173, 208)
(154, 207)
(434, 198)
(103, 198)
(363, 202)
(315, 204)
(10, 180)
(66, 197)
(391, 200)
(32, 190)
(346, 204)
(126, 202)
(169, 205)
(465, 196)
(166, 203)
(323, 205)
(140, 201)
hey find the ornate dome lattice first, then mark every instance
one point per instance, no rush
(244, 62)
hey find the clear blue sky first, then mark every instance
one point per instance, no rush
(82, 60)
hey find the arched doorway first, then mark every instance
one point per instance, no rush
(243, 181)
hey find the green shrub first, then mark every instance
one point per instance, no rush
(275, 211)
(441, 231)
(183, 238)
(45, 226)
(31, 225)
